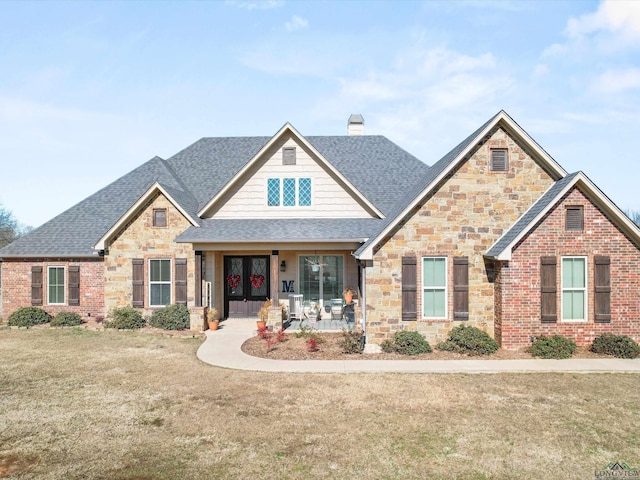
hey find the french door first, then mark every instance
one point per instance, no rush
(321, 277)
(246, 284)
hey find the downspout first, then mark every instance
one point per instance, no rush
(363, 296)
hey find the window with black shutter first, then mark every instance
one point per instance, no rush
(461, 288)
(36, 285)
(138, 283)
(181, 281)
(74, 285)
(409, 289)
(499, 160)
(548, 290)
(602, 286)
(574, 218)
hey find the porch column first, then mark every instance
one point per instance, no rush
(275, 268)
(198, 279)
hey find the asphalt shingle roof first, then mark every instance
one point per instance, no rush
(524, 222)
(427, 178)
(292, 229)
(75, 231)
(196, 174)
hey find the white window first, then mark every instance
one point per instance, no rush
(434, 287)
(574, 289)
(159, 282)
(55, 281)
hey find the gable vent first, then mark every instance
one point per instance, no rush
(356, 124)
(499, 160)
(289, 155)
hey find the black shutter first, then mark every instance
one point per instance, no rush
(74, 285)
(409, 289)
(36, 285)
(461, 288)
(602, 285)
(548, 289)
(181, 281)
(138, 282)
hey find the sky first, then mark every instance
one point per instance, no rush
(91, 90)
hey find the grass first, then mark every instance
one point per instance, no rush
(80, 404)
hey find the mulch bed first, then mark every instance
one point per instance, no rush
(293, 348)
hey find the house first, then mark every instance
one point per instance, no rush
(496, 234)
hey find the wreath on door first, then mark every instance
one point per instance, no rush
(234, 280)
(257, 280)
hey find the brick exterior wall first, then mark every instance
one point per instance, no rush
(140, 239)
(16, 285)
(519, 281)
(464, 217)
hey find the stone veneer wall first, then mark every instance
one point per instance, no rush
(140, 239)
(520, 280)
(465, 216)
(16, 285)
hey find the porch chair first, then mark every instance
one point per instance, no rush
(295, 307)
(336, 309)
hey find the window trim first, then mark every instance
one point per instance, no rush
(506, 160)
(64, 284)
(154, 220)
(444, 289)
(585, 289)
(160, 282)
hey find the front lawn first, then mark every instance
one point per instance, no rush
(81, 404)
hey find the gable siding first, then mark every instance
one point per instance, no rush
(248, 199)
(140, 240)
(521, 288)
(464, 217)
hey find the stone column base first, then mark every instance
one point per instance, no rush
(274, 318)
(197, 320)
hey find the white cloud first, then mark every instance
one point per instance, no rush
(617, 81)
(425, 98)
(256, 4)
(296, 23)
(617, 16)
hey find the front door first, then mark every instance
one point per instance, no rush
(246, 285)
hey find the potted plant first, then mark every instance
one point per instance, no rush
(263, 314)
(212, 318)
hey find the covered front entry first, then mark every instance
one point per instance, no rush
(247, 284)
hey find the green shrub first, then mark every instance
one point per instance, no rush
(556, 346)
(352, 341)
(66, 319)
(172, 317)
(29, 316)
(621, 346)
(469, 340)
(388, 346)
(125, 318)
(407, 343)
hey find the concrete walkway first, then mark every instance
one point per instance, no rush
(222, 348)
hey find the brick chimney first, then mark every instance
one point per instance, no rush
(356, 124)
